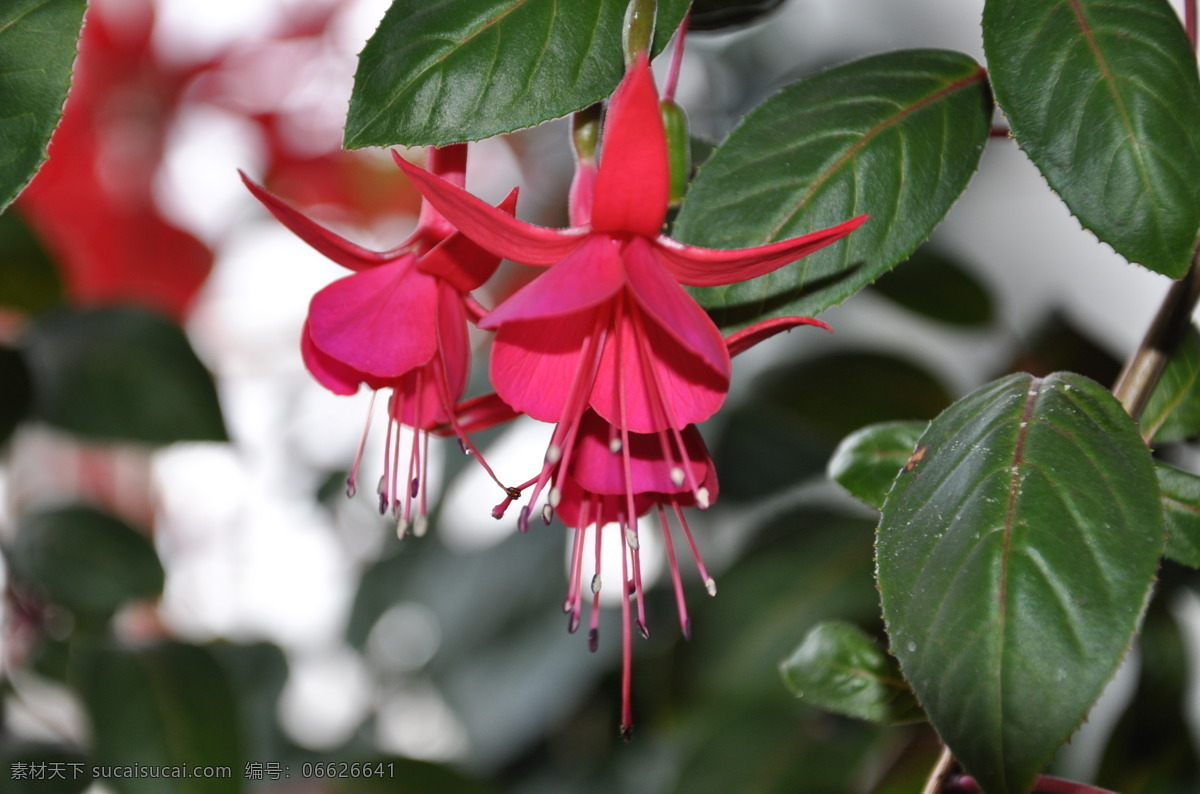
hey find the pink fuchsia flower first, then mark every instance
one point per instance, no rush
(611, 477)
(608, 327)
(398, 322)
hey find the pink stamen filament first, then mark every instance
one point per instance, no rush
(384, 487)
(352, 480)
(594, 617)
(563, 437)
(631, 539)
(626, 652)
(664, 408)
(685, 623)
(441, 380)
(709, 583)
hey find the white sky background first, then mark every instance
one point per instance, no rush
(251, 556)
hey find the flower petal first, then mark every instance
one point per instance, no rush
(491, 228)
(633, 185)
(460, 261)
(671, 307)
(710, 267)
(337, 248)
(479, 413)
(588, 276)
(682, 389)
(453, 342)
(599, 470)
(379, 321)
(450, 163)
(747, 338)
(533, 364)
(328, 371)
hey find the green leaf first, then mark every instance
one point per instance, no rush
(462, 70)
(1014, 562)
(1173, 412)
(896, 136)
(37, 50)
(868, 460)
(786, 431)
(85, 560)
(15, 397)
(839, 668)
(122, 374)
(167, 704)
(29, 281)
(1180, 491)
(719, 14)
(936, 286)
(1104, 97)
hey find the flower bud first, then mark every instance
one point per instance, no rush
(679, 147)
(638, 32)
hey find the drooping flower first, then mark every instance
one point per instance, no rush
(608, 327)
(398, 322)
(610, 477)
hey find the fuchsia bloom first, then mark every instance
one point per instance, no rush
(612, 476)
(608, 327)
(398, 322)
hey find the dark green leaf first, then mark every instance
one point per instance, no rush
(123, 374)
(1014, 562)
(167, 704)
(1180, 492)
(896, 136)
(85, 560)
(1103, 95)
(29, 281)
(467, 69)
(807, 566)
(15, 397)
(867, 460)
(786, 431)
(839, 668)
(37, 50)
(257, 673)
(718, 14)
(931, 284)
(1173, 412)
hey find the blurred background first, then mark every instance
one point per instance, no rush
(186, 581)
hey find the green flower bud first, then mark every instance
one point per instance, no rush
(639, 28)
(679, 147)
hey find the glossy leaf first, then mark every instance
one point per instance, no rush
(85, 560)
(468, 69)
(120, 374)
(720, 14)
(1104, 97)
(868, 460)
(1173, 412)
(162, 704)
(896, 136)
(37, 50)
(786, 430)
(29, 281)
(934, 285)
(839, 668)
(1014, 561)
(1180, 491)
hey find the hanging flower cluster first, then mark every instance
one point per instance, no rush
(605, 343)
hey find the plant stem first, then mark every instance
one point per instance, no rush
(1189, 20)
(1142, 371)
(941, 770)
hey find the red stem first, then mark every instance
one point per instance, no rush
(677, 59)
(1189, 20)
